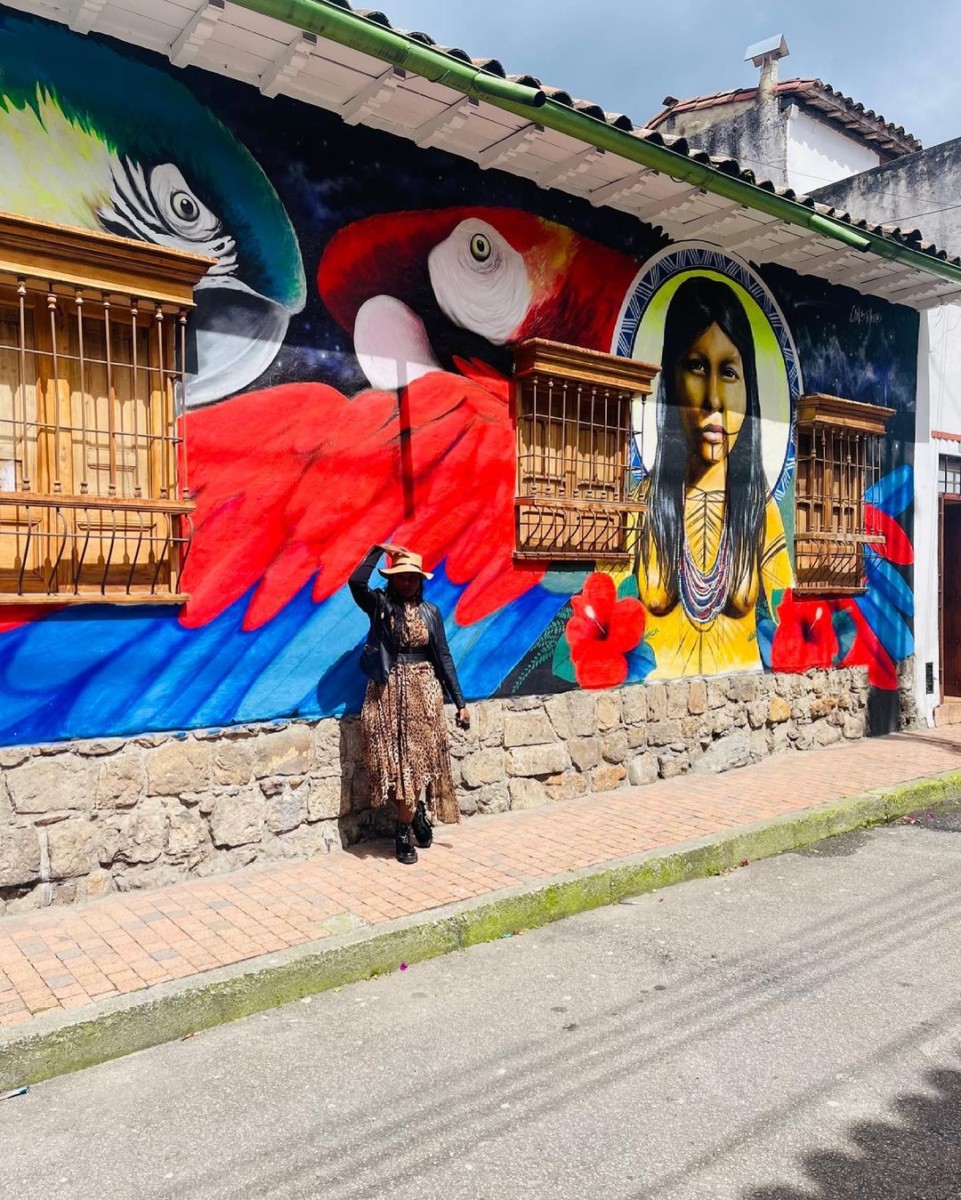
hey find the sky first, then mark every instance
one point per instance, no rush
(627, 55)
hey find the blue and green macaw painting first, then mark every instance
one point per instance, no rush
(350, 384)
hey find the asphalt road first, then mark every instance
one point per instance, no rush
(790, 1031)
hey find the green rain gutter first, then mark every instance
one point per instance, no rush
(329, 20)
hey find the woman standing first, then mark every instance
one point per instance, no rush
(713, 537)
(406, 747)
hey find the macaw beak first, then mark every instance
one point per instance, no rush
(233, 335)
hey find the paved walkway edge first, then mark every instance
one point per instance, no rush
(58, 1042)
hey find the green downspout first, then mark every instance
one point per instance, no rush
(327, 19)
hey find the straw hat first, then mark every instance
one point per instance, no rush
(405, 563)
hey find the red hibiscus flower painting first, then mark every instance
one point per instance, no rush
(805, 636)
(602, 631)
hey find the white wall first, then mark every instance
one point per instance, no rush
(818, 155)
(939, 408)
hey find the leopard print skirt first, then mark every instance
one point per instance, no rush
(406, 743)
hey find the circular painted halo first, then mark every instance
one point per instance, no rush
(640, 335)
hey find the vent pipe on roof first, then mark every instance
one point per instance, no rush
(767, 55)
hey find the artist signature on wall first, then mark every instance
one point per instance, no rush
(864, 316)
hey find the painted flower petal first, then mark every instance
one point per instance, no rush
(627, 625)
(894, 492)
(897, 546)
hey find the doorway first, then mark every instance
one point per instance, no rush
(950, 606)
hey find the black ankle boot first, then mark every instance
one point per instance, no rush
(402, 848)
(423, 830)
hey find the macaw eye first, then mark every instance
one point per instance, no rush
(185, 206)
(480, 247)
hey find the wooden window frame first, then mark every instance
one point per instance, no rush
(574, 497)
(91, 511)
(838, 460)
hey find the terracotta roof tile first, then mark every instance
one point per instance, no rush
(810, 91)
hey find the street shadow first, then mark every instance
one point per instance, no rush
(914, 1157)
(926, 739)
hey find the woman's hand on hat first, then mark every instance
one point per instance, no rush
(391, 548)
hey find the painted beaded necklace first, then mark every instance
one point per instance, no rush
(704, 594)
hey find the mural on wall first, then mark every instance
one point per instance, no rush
(374, 404)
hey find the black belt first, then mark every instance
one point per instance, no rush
(413, 656)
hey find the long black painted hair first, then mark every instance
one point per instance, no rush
(696, 305)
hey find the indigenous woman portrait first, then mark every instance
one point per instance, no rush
(712, 540)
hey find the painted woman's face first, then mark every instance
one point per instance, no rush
(709, 387)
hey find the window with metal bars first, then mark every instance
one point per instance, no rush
(92, 347)
(574, 435)
(838, 460)
(949, 476)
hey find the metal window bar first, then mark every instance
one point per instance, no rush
(949, 476)
(573, 482)
(90, 420)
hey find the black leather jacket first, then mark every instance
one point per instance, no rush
(371, 600)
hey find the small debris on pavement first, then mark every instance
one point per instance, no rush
(745, 862)
(403, 966)
(20, 1091)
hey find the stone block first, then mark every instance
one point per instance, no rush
(671, 765)
(716, 693)
(135, 837)
(583, 709)
(528, 729)
(282, 752)
(608, 776)
(656, 702)
(177, 767)
(854, 725)
(723, 720)
(233, 764)
(614, 748)
(607, 710)
(70, 845)
(122, 781)
(697, 697)
(677, 699)
(538, 760)
(47, 785)
(585, 752)
(95, 886)
(757, 713)
(328, 799)
(826, 734)
(781, 738)
(642, 770)
(822, 706)
(559, 714)
(13, 756)
(727, 752)
(527, 793)
(778, 710)
(760, 744)
(488, 766)
(523, 703)
(287, 806)
(637, 736)
(495, 798)
(742, 689)
(488, 720)
(568, 785)
(663, 733)
(238, 820)
(634, 704)
(19, 856)
(187, 834)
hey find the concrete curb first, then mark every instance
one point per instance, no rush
(57, 1042)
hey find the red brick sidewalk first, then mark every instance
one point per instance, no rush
(68, 957)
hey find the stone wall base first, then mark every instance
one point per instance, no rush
(80, 819)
